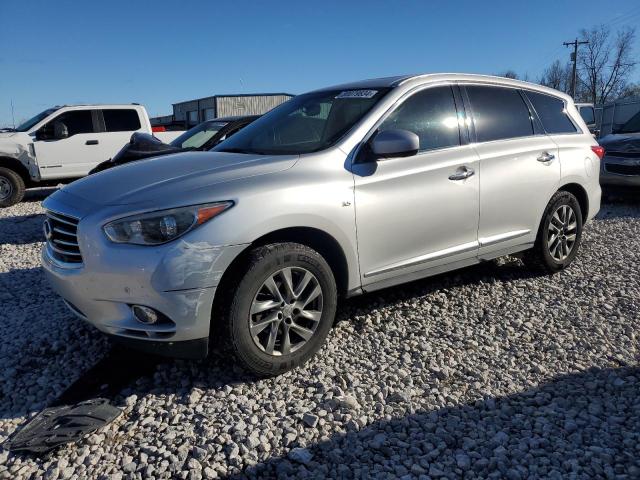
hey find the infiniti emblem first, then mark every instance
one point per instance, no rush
(47, 230)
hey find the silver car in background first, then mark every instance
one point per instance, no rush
(336, 192)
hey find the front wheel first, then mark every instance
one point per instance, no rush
(282, 308)
(11, 187)
(559, 235)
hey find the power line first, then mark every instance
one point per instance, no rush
(622, 19)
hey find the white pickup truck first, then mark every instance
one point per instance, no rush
(64, 143)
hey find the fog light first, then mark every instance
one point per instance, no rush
(145, 315)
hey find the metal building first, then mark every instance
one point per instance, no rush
(191, 112)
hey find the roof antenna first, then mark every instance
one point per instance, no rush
(13, 118)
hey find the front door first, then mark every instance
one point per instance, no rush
(419, 212)
(74, 155)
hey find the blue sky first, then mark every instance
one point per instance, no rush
(161, 52)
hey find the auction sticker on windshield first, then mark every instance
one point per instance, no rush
(357, 94)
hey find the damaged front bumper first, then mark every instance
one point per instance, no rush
(177, 280)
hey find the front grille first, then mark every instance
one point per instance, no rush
(623, 154)
(622, 169)
(61, 232)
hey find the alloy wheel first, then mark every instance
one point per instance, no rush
(286, 311)
(562, 233)
(6, 189)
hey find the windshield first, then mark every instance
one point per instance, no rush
(306, 123)
(198, 135)
(25, 126)
(632, 125)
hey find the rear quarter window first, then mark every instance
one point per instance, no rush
(121, 120)
(499, 113)
(551, 112)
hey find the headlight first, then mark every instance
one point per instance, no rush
(159, 227)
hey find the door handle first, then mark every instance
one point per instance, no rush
(91, 142)
(546, 157)
(462, 173)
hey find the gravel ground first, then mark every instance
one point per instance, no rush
(488, 372)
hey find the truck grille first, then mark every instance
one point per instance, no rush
(622, 169)
(623, 154)
(61, 232)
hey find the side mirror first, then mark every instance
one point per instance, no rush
(60, 131)
(45, 132)
(395, 143)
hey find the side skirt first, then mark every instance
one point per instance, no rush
(448, 267)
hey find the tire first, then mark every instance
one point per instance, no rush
(265, 269)
(562, 217)
(11, 187)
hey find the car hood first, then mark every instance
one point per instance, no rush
(9, 140)
(623, 142)
(146, 181)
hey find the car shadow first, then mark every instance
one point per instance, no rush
(552, 430)
(22, 230)
(38, 342)
(549, 418)
(38, 194)
(38, 327)
(620, 204)
(504, 269)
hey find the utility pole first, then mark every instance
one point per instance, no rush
(574, 59)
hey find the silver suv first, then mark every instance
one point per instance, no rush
(336, 192)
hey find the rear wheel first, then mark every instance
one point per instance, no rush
(11, 187)
(559, 236)
(282, 309)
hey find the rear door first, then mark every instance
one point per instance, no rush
(519, 166)
(116, 126)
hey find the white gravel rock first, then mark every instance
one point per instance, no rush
(490, 372)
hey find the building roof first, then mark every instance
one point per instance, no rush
(237, 95)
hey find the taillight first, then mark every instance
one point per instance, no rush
(598, 150)
(158, 129)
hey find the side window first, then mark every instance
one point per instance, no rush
(551, 112)
(121, 120)
(431, 114)
(499, 113)
(76, 121)
(588, 115)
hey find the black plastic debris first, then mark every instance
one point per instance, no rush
(55, 426)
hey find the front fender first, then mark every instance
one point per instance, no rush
(19, 157)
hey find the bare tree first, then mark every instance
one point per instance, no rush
(605, 64)
(557, 76)
(509, 74)
(631, 91)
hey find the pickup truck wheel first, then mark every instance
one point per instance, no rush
(282, 309)
(559, 235)
(11, 187)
